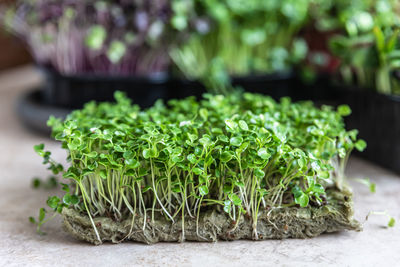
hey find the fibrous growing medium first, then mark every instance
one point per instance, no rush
(233, 167)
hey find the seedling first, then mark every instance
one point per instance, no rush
(368, 183)
(391, 220)
(241, 155)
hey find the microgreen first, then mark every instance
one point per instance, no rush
(53, 202)
(242, 152)
(368, 183)
(391, 220)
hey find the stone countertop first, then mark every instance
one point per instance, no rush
(20, 245)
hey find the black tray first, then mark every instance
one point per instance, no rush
(276, 85)
(75, 91)
(34, 112)
(376, 116)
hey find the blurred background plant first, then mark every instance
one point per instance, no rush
(363, 37)
(369, 60)
(214, 41)
(102, 37)
(238, 38)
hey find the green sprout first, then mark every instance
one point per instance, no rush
(239, 154)
(57, 205)
(391, 220)
(368, 183)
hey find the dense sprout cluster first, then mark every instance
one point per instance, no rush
(239, 153)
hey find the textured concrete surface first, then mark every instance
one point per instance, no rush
(20, 245)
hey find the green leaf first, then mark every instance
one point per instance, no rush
(391, 222)
(231, 124)
(192, 137)
(235, 199)
(344, 110)
(379, 38)
(360, 145)
(143, 172)
(130, 172)
(226, 156)
(92, 154)
(177, 159)
(42, 214)
(103, 174)
(197, 171)
(176, 188)
(242, 148)
(302, 162)
(146, 188)
(86, 172)
(259, 173)
(296, 191)
(39, 149)
(342, 152)
(70, 199)
(243, 125)
(318, 188)
(236, 141)
(148, 153)
(132, 163)
(119, 148)
(302, 200)
(372, 187)
(227, 188)
(323, 174)
(203, 190)
(203, 113)
(205, 141)
(65, 187)
(36, 182)
(391, 43)
(32, 220)
(262, 192)
(263, 153)
(191, 158)
(53, 201)
(60, 208)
